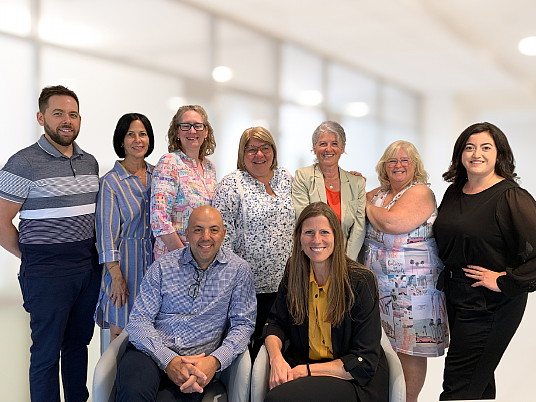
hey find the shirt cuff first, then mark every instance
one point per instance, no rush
(224, 355)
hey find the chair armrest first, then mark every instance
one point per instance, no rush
(397, 383)
(260, 376)
(236, 378)
(106, 369)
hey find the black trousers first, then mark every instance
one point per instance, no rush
(140, 379)
(311, 389)
(482, 323)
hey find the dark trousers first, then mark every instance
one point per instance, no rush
(310, 389)
(61, 320)
(140, 379)
(482, 323)
(265, 302)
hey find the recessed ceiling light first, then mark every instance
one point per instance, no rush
(357, 109)
(527, 46)
(310, 98)
(222, 74)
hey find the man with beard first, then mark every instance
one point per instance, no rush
(54, 185)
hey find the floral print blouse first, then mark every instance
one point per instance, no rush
(178, 188)
(259, 226)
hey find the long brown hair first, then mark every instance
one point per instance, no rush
(209, 144)
(340, 295)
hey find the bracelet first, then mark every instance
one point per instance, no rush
(308, 370)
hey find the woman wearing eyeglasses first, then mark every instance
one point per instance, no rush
(183, 179)
(258, 214)
(325, 181)
(400, 249)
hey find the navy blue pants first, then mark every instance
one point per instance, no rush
(61, 320)
(140, 379)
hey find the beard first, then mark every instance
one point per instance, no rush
(58, 138)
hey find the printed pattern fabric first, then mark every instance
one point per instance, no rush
(259, 226)
(178, 188)
(412, 310)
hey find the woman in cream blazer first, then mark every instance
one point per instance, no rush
(325, 181)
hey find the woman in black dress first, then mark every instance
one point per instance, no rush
(486, 235)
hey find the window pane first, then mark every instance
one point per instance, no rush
(350, 92)
(297, 125)
(170, 36)
(250, 56)
(363, 148)
(118, 89)
(235, 113)
(15, 17)
(18, 103)
(301, 76)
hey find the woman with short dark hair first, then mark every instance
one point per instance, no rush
(124, 238)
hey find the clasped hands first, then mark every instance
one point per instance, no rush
(192, 373)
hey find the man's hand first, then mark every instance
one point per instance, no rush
(186, 374)
(207, 364)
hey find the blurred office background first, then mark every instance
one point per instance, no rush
(420, 70)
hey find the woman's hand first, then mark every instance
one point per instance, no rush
(299, 371)
(119, 293)
(483, 276)
(280, 372)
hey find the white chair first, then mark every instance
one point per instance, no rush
(397, 385)
(233, 383)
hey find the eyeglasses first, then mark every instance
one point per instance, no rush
(253, 150)
(193, 290)
(188, 126)
(393, 161)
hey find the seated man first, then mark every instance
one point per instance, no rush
(194, 315)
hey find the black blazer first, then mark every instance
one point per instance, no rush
(356, 342)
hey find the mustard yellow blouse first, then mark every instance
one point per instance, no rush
(320, 346)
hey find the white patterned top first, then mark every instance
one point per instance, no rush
(259, 226)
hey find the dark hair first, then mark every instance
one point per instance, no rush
(504, 166)
(209, 144)
(121, 130)
(340, 295)
(47, 92)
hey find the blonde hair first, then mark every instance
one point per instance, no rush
(209, 144)
(261, 134)
(419, 176)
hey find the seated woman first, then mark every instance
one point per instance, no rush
(331, 353)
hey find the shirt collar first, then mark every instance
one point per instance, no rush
(51, 149)
(123, 173)
(313, 280)
(222, 257)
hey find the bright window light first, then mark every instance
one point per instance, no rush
(527, 46)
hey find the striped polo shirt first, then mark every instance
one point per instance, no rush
(58, 196)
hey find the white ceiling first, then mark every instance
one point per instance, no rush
(456, 46)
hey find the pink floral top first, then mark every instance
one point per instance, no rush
(178, 188)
